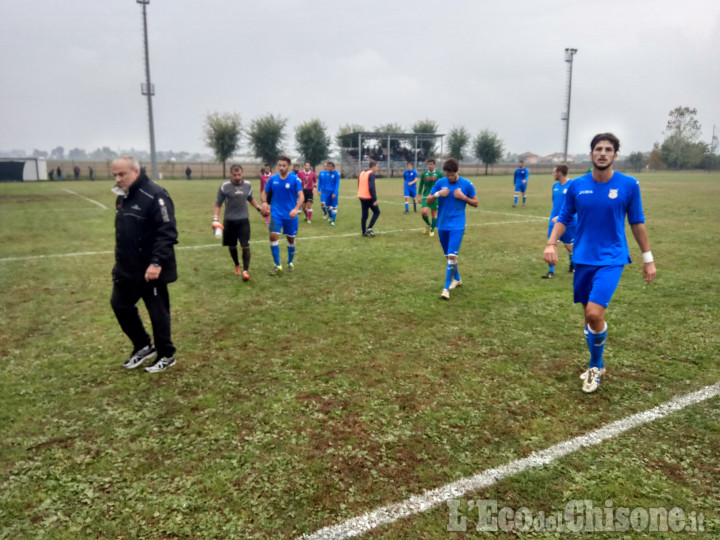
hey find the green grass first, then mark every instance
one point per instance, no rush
(303, 400)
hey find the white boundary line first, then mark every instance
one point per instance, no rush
(255, 242)
(429, 499)
(101, 205)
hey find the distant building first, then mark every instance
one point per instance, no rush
(557, 157)
(529, 158)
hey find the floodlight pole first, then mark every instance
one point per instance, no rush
(569, 53)
(148, 90)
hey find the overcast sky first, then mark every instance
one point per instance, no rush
(71, 71)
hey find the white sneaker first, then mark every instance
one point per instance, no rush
(161, 365)
(445, 294)
(591, 379)
(138, 357)
(455, 283)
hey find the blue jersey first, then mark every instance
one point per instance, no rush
(332, 182)
(601, 208)
(409, 176)
(558, 198)
(451, 211)
(321, 180)
(284, 194)
(520, 175)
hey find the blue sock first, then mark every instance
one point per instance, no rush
(596, 344)
(324, 211)
(291, 253)
(551, 268)
(523, 199)
(275, 250)
(334, 214)
(451, 269)
(407, 207)
(457, 273)
(570, 257)
(515, 201)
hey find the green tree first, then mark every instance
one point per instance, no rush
(222, 135)
(458, 140)
(427, 146)
(313, 142)
(681, 149)
(488, 148)
(636, 160)
(266, 135)
(346, 142)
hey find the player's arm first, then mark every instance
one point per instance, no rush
(640, 233)
(550, 254)
(371, 188)
(254, 203)
(298, 205)
(472, 201)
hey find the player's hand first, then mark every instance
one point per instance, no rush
(444, 192)
(152, 272)
(458, 193)
(293, 212)
(375, 203)
(550, 254)
(649, 272)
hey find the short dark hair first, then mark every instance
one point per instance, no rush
(609, 137)
(372, 163)
(267, 164)
(430, 160)
(451, 165)
(330, 163)
(286, 159)
(562, 169)
(235, 167)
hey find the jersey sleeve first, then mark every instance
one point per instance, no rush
(220, 197)
(567, 210)
(470, 190)
(635, 210)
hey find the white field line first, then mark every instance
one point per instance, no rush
(101, 205)
(205, 246)
(432, 498)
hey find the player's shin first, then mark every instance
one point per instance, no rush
(246, 257)
(291, 252)
(596, 345)
(275, 250)
(450, 272)
(234, 255)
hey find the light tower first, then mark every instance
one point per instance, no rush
(569, 53)
(147, 89)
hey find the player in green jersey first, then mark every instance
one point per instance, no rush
(425, 184)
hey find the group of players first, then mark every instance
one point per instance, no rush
(588, 216)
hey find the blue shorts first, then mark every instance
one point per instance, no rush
(595, 284)
(327, 199)
(288, 226)
(568, 236)
(410, 191)
(450, 241)
(521, 187)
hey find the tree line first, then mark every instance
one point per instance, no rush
(266, 136)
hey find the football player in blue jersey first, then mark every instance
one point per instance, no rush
(602, 200)
(410, 178)
(331, 192)
(287, 198)
(520, 179)
(453, 193)
(560, 187)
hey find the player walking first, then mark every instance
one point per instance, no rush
(602, 200)
(331, 191)
(410, 177)
(309, 182)
(236, 193)
(453, 193)
(560, 187)
(427, 180)
(287, 198)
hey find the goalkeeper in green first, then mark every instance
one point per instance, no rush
(426, 182)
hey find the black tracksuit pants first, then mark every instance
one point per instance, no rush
(157, 300)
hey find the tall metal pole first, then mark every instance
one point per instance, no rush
(569, 53)
(148, 90)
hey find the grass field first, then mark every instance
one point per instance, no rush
(300, 401)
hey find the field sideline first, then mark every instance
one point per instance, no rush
(303, 401)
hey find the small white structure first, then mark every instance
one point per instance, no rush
(23, 169)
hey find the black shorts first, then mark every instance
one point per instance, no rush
(308, 193)
(236, 230)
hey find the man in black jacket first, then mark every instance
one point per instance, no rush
(145, 233)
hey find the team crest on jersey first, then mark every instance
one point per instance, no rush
(613, 194)
(564, 191)
(287, 185)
